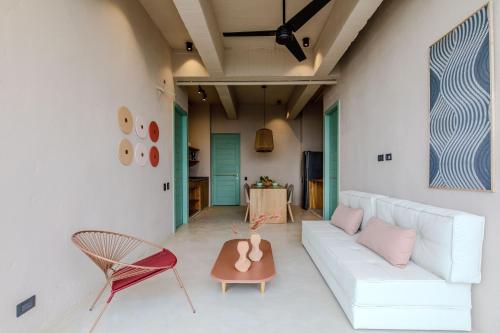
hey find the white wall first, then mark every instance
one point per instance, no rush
(312, 127)
(283, 164)
(66, 66)
(199, 137)
(384, 107)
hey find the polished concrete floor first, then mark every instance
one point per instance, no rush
(296, 300)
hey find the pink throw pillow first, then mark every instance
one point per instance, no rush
(393, 243)
(348, 219)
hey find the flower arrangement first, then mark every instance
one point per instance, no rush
(256, 223)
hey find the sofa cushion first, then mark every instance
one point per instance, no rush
(449, 243)
(365, 201)
(368, 280)
(348, 219)
(393, 243)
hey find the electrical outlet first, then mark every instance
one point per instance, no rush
(25, 306)
(380, 157)
(388, 157)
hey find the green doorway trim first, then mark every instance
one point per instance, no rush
(331, 160)
(180, 151)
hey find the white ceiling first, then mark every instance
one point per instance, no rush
(255, 94)
(166, 17)
(246, 94)
(237, 15)
(249, 15)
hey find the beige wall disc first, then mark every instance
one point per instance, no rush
(125, 120)
(125, 152)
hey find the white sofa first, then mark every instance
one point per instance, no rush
(432, 293)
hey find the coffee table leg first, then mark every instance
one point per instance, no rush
(262, 287)
(223, 286)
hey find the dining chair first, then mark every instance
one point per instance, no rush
(289, 192)
(246, 187)
(107, 250)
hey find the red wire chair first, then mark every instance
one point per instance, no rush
(107, 249)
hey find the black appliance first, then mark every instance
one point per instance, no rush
(312, 168)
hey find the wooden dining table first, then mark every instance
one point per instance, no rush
(269, 200)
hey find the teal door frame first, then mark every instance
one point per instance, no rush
(180, 191)
(331, 171)
(213, 187)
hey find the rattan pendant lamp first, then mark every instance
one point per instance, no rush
(264, 142)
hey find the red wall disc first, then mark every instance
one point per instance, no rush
(154, 131)
(154, 156)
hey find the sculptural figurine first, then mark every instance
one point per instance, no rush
(255, 254)
(242, 264)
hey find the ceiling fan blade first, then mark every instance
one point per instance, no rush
(294, 47)
(250, 33)
(296, 22)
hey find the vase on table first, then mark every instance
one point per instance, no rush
(256, 253)
(242, 264)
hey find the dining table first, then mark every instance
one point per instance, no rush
(268, 200)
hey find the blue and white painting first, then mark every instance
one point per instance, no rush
(461, 108)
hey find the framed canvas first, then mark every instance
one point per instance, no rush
(461, 106)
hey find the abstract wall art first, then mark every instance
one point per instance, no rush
(461, 106)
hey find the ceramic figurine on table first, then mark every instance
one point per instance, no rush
(242, 264)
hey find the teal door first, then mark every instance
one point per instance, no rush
(225, 153)
(331, 161)
(180, 167)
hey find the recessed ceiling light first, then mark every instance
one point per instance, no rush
(305, 41)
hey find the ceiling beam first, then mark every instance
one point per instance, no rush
(277, 82)
(300, 96)
(346, 20)
(199, 19)
(228, 100)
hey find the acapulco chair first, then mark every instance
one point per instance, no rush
(106, 249)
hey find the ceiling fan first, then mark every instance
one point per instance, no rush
(284, 33)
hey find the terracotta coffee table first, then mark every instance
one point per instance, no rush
(260, 272)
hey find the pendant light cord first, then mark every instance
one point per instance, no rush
(264, 87)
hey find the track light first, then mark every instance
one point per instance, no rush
(204, 96)
(305, 41)
(189, 46)
(200, 90)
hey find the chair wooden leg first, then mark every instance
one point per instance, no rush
(98, 296)
(99, 317)
(183, 288)
(248, 211)
(290, 211)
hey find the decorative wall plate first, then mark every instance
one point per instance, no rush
(140, 154)
(125, 119)
(154, 156)
(154, 131)
(140, 127)
(125, 152)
